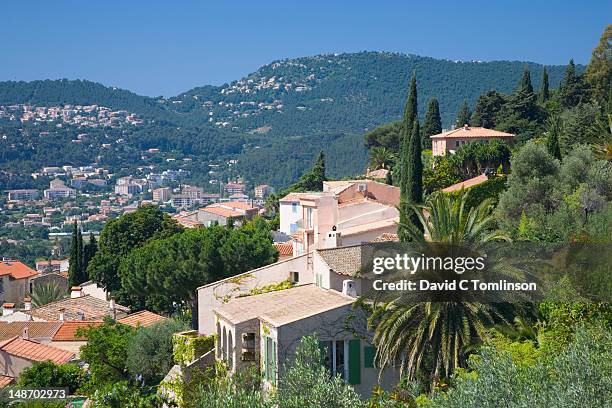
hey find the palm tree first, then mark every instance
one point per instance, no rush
(381, 158)
(440, 332)
(46, 293)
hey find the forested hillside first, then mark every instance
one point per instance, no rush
(274, 120)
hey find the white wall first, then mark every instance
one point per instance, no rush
(288, 216)
(217, 293)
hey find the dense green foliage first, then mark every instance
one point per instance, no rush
(432, 125)
(306, 383)
(149, 351)
(577, 377)
(123, 234)
(47, 374)
(163, 275)
(490, 189)
(551, 201)
(106, 353)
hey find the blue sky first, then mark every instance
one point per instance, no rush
(166, 47)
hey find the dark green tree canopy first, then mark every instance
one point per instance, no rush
(433, 123)
(544, 92)
(487, 110)
(163, 275)
(599, 70)
(463, 116)
(123, 234)
(573, 90)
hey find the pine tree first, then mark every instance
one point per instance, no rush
(572, 90)
(74, 269)
(463, 116)
(544, 93)
(599, 71)
(552, 137)
(432, 124)
(313, 179)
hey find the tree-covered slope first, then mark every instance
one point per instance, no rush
(347, 92)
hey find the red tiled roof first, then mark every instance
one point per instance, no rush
(85, 307)
(236, 204)
(223, 212)
(16, 270)
(68, 330)
(143, 318)
(284, 248)
(33, 351)
(466, 184)
(467, 132)
(36, 330)
(5, 380)
(292, 197)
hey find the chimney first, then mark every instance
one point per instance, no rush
(348, 288)
(75, 292)
(26, 333)
(8, 309)
(113, 309)
(333, 239)
(62, 315)
(466, 127)
(27, 303)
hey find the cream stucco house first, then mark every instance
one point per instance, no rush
(452, 140)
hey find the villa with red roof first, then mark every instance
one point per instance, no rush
(19, 353)
(15, 281)
(451, 140)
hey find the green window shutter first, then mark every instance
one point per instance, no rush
(354, 351)
(368, 356)
(265, 347)
(274, 369)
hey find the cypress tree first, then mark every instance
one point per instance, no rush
(552, 137)
(544, 93)
(463, 116)
(525, 85)
(433, 123)
(74, 269)
(88, 252)
(410, 116)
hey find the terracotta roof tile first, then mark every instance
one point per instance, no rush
(36, 330)
(34, 351)
(467, 132)
(223, 212)
(5, 380)
(16, 270)
(466, 184)
(284, 248)
(90, 307)
(143, 318)
(68, 330)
